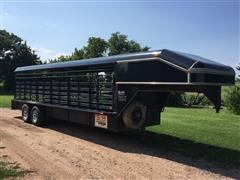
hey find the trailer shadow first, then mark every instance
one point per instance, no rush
(211, 158)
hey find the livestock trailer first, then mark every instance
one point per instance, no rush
(116, 92)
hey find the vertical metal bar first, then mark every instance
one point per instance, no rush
(37, 98)
(68, 91)
(30, 85)
(188, 77)
(97, 92)
(90, 89)
(15, 89)
(50, 89)
(113, 90)
(58, 90)
(24, 89)
(78, 91)
(88, 85)
(43, 93)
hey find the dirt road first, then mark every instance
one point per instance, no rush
(70, 151)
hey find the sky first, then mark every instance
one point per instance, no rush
(209, 28)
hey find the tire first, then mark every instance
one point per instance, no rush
(25, 113)
(134, 115)
(37, 116)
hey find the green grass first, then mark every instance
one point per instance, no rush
(5, 100)
(199, 133)
(8, 170)
(201, 125)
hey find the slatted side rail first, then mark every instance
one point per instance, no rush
(92, 90)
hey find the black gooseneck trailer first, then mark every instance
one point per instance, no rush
(116, 92)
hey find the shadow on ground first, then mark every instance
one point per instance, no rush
(211, 158)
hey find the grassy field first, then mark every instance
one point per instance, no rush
(200, 134)
(202, 126)
(5, 99)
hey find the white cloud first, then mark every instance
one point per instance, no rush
(47, 54)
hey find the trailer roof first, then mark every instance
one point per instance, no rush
(183, 60)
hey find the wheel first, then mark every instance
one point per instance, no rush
(25, 113)
(37, 116)
(134, 115)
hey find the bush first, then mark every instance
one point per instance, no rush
(177, 99)
(195, 99)
(232, 99)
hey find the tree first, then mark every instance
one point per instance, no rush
(119, 44)
(61, 58)
(77, 54)
(232, 99)
(133, 46)
(14, 52)
(95, 48)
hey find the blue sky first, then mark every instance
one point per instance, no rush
(206, 28)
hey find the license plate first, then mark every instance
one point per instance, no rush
(101, 121)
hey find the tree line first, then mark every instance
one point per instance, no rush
(97, 47)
